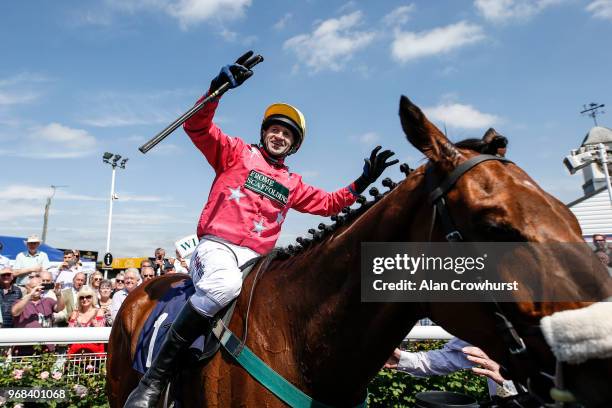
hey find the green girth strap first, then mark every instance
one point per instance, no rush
(265, 375)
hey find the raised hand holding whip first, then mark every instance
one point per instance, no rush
(230, 77)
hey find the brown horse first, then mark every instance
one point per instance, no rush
(307, 321)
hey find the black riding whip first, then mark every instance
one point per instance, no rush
(250, 63)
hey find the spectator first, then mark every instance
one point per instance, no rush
(66, 272)
(131, 282)
(77, 256)
(87, 315)
(160, 262)
(454, 356)
(119, 283)
(9, 295)
(145, 262)
(180, 264)
(34, 311)
(105, 301)
(94, 281)
(30, 261)
(45, 278)
(601, 244)
(147, 273)
(4, 261)
(70, 298)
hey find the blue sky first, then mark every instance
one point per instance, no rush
(79, 78)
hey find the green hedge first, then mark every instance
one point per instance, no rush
(46, 371)
(389, 389)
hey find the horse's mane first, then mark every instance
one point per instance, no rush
(349, 215)
(346, 217)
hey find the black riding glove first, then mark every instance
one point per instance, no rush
(373, 168)
(234, 74)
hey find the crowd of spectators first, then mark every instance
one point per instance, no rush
(35, 294)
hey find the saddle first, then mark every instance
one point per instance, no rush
(163, 315)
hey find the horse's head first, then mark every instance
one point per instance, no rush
(496, 201)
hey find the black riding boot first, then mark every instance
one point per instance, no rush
(189, 324)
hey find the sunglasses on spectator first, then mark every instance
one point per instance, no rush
(97, 279)
(147, 276)
(600, 240)
(85, 297)
(119, 281)
(6, 274)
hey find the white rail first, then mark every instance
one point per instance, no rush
(69, 335)
(55, 335)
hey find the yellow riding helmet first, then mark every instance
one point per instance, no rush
(286, 115)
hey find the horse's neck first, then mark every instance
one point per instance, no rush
(341, 338)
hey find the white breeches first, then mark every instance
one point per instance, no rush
(215, 271)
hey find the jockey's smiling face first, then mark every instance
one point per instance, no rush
(278, 140)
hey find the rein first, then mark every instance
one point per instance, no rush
(504, 327)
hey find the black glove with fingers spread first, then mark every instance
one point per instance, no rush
(373, 168)
(234, 74)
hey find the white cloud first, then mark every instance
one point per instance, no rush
(52, 141)
(461, 116)
(22, 192)
(20, 212)
(121, 109)
(399, 15)
(187, 12)
(331, 44)
(14, 98)
(601, 9)
(369, 138)
(409, 45)
(58, 141)
(282, 23)
(19, 88)
(501, 11)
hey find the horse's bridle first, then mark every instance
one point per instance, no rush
(437, 198)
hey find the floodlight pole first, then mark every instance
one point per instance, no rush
(114, 162)
(110, 209)
(603, 158)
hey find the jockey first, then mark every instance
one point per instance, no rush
(249, 199)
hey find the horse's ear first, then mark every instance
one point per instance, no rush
(425, 136)
(489, 135)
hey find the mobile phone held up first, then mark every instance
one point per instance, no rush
(48, 286)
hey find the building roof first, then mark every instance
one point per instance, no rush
(598, 134)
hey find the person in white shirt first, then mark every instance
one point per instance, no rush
(454, 356)
(66, 272)
(4, 261)
(131, 277)
(30, 262)
(180, 264)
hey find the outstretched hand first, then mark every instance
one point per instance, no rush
(393, 360)
(373, 168)
(486, 366)
(234, 74)
(377, 163)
